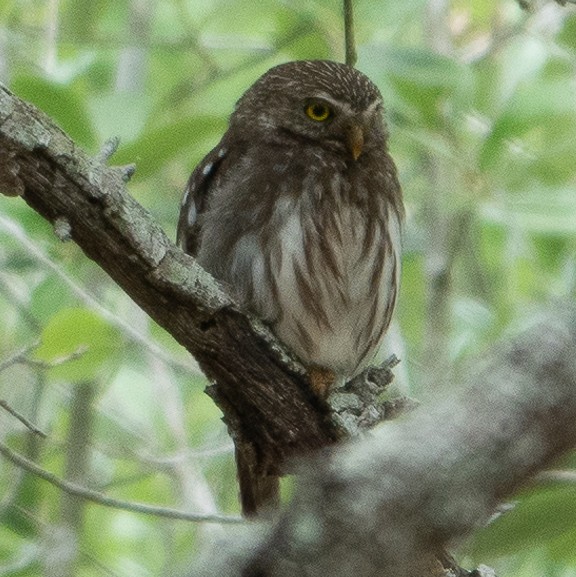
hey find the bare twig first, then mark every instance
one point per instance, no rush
(22, 357)
(73, 356)
(104, 500)
(13, 229)
(263, 392)
(349, 40)
(29, 425)
(18, 357)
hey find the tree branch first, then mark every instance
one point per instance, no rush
(76, 490)
(412, 488)
(28, 424)
(263, 393)
(384, 507)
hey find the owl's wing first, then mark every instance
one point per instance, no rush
(195, 198)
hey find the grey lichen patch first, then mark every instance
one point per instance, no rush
(26, 130)
(95, 174)
(109, 148)
(63, 150)
(345, 402)
(346, 424)
(62, 229)
(276, 346)
(126, 172)
(185, 276)
(6, 104)
(358, 405)
(136, 225)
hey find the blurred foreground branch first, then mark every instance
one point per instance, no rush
(386, 506)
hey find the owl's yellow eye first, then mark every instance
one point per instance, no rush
(318, 111)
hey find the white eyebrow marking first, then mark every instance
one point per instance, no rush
(374, 105)
(344, 106)
(336, 104)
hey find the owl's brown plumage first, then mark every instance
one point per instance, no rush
(298, 211)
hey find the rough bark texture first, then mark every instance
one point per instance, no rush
(383, 507)
(263, 393)
(387, 506)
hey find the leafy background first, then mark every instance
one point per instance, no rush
(482, 111)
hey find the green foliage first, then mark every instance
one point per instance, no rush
(62, 102)
(482, 118)
(539, 519)
(79, 345)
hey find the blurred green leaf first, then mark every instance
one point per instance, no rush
(491, 128)
(154, 148)
(542, 211)
(534, 106)
(48, 297)
(81, 333)
(423, 80)
(119, 114)
(63, 103)
(567, 34)
(537, 520)
(411, 305)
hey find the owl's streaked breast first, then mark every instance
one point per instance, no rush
(326, 283)
(297, 212)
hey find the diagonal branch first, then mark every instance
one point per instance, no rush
(263, 393)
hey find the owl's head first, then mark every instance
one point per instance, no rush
(319, 102)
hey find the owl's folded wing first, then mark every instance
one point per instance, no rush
(195, 198)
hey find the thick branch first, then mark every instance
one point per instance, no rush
(263, 394)
(383, 507)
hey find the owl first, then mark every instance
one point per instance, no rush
(298, 213)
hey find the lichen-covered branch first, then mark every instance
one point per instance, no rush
(262, 392)
(386, 506)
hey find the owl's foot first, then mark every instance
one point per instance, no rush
(321, 380)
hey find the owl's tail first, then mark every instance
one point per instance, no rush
(259, 491)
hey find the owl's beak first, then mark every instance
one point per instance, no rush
(355, 140)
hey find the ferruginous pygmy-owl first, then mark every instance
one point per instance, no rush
(298, 211)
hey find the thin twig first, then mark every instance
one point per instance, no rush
(21, 358)
(73, 356)
(29, 425)
(13, 229)
(350, 43)
(18, 357)
(105, 501)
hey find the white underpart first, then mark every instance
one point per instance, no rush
(339, 343)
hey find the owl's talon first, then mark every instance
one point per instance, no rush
(321, 380)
